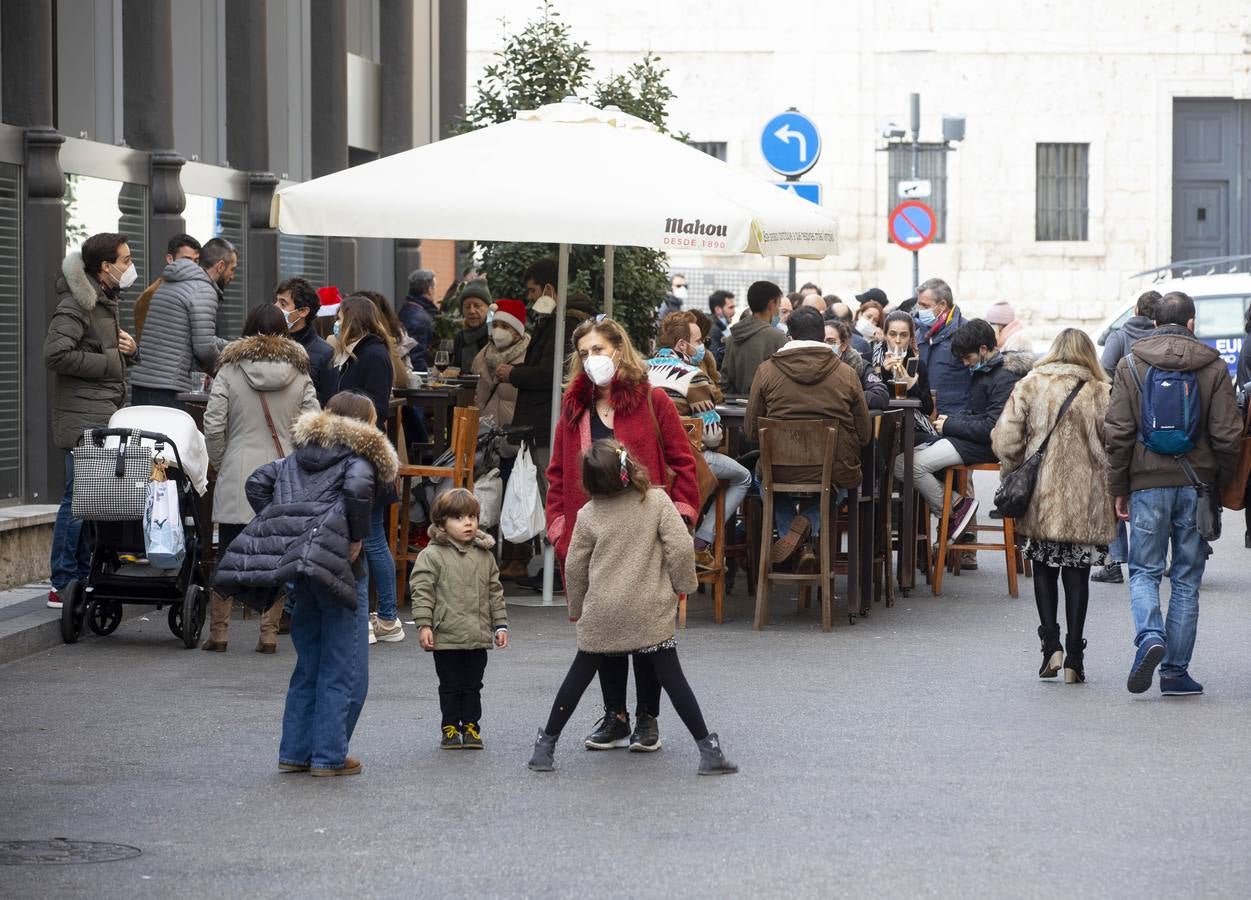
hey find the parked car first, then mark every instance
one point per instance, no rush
(1221, 289)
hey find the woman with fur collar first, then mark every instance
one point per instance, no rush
(508, 344)
(1070, 520)
(313, 512)
(262, 386)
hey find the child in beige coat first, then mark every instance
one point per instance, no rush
(629, 557)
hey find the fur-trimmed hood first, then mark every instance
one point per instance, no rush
(1017, 362)
(269, 362)
(331, 432)
(84, 289)
(625, 397)
(482, 540)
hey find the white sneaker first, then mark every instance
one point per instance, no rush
(391, 632)
(373, 619)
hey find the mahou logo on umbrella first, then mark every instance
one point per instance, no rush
(681, 226)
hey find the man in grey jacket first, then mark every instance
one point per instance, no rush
(180, 331)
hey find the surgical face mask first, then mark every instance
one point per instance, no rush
(926, 316)
(680, 292)
(776, 321)
(292, 322)
(979, 365)
(503, 337)
(600, 369)
(336, 327)
(696, 356)
(866, 328)
(544, 306)
(834, 345)
(128, 277)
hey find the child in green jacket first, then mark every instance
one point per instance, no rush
(458, 608)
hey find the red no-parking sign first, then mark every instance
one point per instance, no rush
(912, 224)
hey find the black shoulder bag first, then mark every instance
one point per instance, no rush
(1016, 488)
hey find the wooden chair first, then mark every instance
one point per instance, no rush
(464, 447)
(714, 576)
(945, 546)
(786, 443)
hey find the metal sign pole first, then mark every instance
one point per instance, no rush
(790, 262)
(608, 267)
(916, 134)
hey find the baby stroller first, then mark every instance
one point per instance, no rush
(112, 470)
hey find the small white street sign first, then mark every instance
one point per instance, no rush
(914, 190)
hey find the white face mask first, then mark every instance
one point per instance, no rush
(503, 337)
(866, 328)
(544, 306)
(600, 369)
(128, 277)
(680, 292)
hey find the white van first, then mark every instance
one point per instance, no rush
(1221, 290)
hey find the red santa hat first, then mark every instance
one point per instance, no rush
(330, 299)
(510, 312)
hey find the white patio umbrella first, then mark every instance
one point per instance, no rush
(567, 173)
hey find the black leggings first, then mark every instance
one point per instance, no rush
(668, 672)
(1076, 581)
(614, 678)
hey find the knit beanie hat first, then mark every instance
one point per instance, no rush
(476, 288)
(511, 313)
(1000, 313)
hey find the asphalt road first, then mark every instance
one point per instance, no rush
(914, 754)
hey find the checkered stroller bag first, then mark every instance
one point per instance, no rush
(111, 483)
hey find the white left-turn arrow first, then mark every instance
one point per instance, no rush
(784, 134)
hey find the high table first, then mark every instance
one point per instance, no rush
(440, 401)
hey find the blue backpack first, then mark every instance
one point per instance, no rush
(1169, 410)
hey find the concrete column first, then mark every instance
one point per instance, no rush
(247, 96)
(262, 251)
(26, 49)
(328, 51)
(166, 203)
(453, 20)
(396, 43)
(407, 258)
(341, 264)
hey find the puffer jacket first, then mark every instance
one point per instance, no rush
(1071, 503)
(180, 331)
(805, 380)
(456, 590)
(310, 507)
(750, 343)
(969, 431)
(235, 429)
(629, 558)
(81, 348)
(1131, 466)
(417, 316)
(949, 377)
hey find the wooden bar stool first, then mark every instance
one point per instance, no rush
(1007, 529)
(714, 576)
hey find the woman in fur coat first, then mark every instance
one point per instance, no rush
(1070, 520)
(262, 387)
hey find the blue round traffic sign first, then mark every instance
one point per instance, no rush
(912, 224)
(790, 143)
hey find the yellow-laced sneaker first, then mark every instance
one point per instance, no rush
(470, 738)
(451, 738)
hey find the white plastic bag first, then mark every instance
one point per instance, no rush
(163, 538)
(489, 489)
(522, 516)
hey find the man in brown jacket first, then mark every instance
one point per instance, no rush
(1155, 493)
(181, 246)
(806, 380)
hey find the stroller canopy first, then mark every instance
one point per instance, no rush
(179, 428)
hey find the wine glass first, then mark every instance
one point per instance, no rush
(441, 361)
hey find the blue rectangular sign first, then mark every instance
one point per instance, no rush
(804, 190)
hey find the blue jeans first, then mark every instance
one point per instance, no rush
(1118, 550)
(330, 680)
(381, 565)
(1158, 515)
(809, 508)
(71, 555)
(740, 481)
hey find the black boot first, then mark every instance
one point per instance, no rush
(1074, 673)
(1052, 651)
(543, 759)
(711, 760)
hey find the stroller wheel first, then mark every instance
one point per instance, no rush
(103, 617)
(192, 616)
(72, 609)
(175, 619)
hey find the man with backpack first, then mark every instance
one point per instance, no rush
(1172, 433)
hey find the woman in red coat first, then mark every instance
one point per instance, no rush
(609, 395)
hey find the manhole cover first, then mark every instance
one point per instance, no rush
(62, 852)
